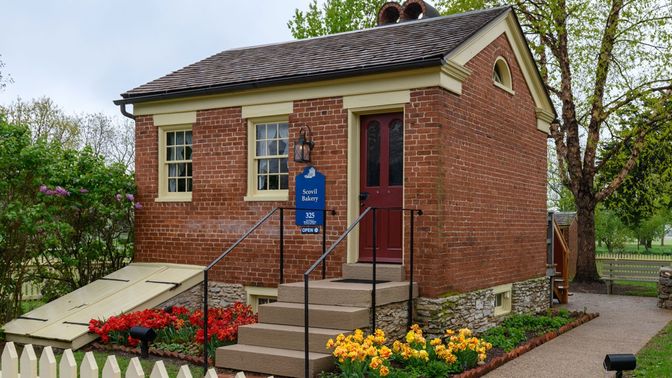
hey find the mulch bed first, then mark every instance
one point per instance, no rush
(497, 358)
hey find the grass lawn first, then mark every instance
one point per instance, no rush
(656, 248)
(636, 288)
(172, 366)
(655, 359)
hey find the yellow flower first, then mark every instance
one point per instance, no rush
(450, 332)
(435, 342)
(376, 363)
(384, 352)
(410, 337)
(330, 344)
(384, 370)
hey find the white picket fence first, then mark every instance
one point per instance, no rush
(26, 366)
(632, 256)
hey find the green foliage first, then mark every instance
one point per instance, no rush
(654, 359)
(335, 16)
(515, 329)
(610, 230)
(58, 212)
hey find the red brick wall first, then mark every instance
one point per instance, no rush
(493, 175)
(475, 163)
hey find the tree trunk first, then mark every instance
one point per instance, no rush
(586, 270)
(662, 240)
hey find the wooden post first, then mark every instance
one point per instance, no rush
(48, 365)
(111, 368)
(28, 362)
(67, 368)
(10, 361)
(134, 369)
(89, 368)
(159, 370)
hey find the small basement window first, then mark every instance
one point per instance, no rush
(501, 75)
(502, 302)
(257, 296)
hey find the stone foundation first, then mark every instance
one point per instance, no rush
(530, 296)
(476, 309)
(392, 318)
(219, 295)
(665, 288)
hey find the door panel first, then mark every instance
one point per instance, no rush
(381, 185)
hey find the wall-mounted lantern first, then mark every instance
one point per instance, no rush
(304, 145)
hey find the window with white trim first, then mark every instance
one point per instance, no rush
(501, 75)
(268, 172)
(502, 300)
(175, 163)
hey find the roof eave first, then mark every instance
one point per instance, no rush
(299, 79)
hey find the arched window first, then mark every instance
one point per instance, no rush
(501, 75)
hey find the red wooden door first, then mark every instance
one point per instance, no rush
(381, 185)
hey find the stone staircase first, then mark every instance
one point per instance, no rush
(275, 345)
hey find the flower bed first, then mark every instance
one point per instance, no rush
(456, 354)
(179, 331)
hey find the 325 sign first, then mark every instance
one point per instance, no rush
(310, 186)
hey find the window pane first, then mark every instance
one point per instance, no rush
(171, 138)
(182, 169)
(283, 166)
(283, 147)
(273, 182)
(396, 152)
(172, 185)
(284, 182)
(188, 157)
(283, 131)
(187, 137)
(263, 166)
(271, 131)
(172, 170)
(261, 131)
(189, 170)
(373, 154)
(170, 153)
(261, 149)
(181, 185)
(274, 166)
(189, 185)
(273, 147)
(261, 182)
(179, 137)
(179, 153)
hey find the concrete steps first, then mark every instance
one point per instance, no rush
(284, 362)
(287, 337)
(332, 292)
(275, 345)
(384, 272)
(321, 316)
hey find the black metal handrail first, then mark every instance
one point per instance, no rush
(282, 261)
(327, 252)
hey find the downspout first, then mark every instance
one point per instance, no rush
(122, 108)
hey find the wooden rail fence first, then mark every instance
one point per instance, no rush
(28, 366)
(632, 256)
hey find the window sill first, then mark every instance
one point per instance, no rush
(504, 87)
(267, 197)
(173, 199)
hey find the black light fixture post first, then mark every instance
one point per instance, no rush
(146, 336)
(303, 145)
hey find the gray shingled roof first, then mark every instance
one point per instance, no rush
(564, 218)
(405, 45)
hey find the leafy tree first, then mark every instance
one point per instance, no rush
(596, 58)
(334, 16)
(610, 230)
(21, 171)
(4, 78)
(64, 211)
(644, 199)
(45, 119)
(88, 225)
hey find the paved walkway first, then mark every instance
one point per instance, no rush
(625, 325)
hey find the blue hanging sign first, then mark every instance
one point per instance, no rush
(310, 195)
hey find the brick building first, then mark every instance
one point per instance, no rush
(444, 114)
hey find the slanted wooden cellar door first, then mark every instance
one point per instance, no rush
(381, 185)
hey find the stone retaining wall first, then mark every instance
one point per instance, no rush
(665, 288)
(476, 309)
(219, 295)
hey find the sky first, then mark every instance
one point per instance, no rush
(83, 54)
